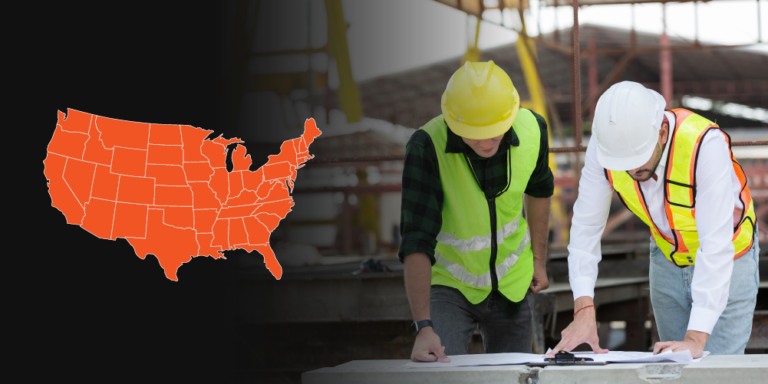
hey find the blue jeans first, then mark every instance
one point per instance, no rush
(454, 321)
(671, 300)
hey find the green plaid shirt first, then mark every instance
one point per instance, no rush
(422, 193)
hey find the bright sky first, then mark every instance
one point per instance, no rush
(396, 35)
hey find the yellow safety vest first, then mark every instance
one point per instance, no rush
(484, 244)
(680, 193)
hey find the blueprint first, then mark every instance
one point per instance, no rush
(529, 358)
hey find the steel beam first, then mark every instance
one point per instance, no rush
(609, 80)
(617, 51)
(551, 3)
(568, 50)
(593, 92)
(665, 61)
(349, 95)
(759, 26)
(576, 74)
(727, 88)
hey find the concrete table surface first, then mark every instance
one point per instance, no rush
(712, 369)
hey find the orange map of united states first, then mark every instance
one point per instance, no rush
(166, 188)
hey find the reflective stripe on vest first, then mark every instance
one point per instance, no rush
(483, 280)
(465, 248)
(680, 193)
(479, 243)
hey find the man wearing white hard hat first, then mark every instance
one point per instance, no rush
(676, 171)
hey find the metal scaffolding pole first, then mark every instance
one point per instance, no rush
(759, 29)
(557, 26)
(665, 50)
(592, 74)
(696, 22)
(665, 61)
(632, 33)
(576, 77)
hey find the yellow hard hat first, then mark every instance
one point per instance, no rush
(480, 101)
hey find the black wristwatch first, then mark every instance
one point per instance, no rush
(418, 325)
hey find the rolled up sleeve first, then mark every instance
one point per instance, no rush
(542, 182)
(421, 199)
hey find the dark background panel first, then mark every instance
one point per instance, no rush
(89, 304)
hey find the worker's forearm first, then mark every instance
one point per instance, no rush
(537, 214)
(582, 302)
(418, 279)
(699, 338)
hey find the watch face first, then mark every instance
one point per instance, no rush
(424, 323)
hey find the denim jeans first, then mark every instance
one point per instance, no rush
(671, 300)
(454, 321)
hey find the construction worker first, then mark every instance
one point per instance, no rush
(675, 170)
(470, 257)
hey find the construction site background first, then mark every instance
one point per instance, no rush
(370, 91)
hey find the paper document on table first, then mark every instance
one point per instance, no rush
(529, 358)
(481, 359)
(640, 357)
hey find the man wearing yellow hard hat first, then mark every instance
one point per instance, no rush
(471, 258)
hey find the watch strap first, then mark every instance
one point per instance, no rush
(418, 325)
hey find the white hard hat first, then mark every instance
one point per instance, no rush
(628, 117)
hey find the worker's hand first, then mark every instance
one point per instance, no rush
(428, 348)
(540, 280)
(583, 329)
(694, 341)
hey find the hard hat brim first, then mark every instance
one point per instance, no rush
(480, 133)
(624, 163)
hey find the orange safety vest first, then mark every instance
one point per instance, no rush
(680, 193)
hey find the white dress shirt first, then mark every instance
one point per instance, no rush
(717, 195)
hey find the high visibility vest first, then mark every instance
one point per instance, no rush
(484, 244)
(680, 193)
